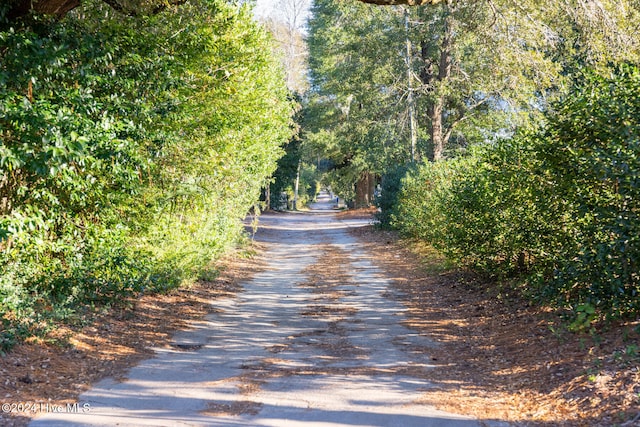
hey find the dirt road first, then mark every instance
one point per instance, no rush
(316, 339)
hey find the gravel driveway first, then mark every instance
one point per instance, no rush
(316, 339)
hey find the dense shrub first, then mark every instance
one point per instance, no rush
(559, 205)
(130, 148)
(387, 199)
(424, 207)
(590, 152)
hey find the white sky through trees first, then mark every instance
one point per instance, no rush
(284, 11)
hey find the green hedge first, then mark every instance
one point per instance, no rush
(557, 206)
(387, 200)
(130, 149)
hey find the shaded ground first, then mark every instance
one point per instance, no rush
(457, 347)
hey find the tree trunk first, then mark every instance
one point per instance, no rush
(434, 83)
(267, 198)
(364, 190)
(437, 134)
(397, 2)
(296, 187)
(373, 180)
(57, 8)
(411, 105)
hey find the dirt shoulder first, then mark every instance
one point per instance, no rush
(47, 373)
(499, 358)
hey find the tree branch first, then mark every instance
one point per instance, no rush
(59, 8)
(133, 11)
(399, 2)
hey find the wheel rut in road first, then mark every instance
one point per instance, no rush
(316, 339)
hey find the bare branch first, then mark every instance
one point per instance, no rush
(59, 8)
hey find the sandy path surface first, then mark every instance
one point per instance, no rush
(314, 340)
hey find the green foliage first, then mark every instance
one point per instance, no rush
(130, 149)
(423, 208)
(355, 117)
(490, 211)
(294, 165)
(558, 205)
(591, 153)
(284, 184)
(466, 80)
(387, 200)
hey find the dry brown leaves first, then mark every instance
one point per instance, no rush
(499, 359)
(58, 369)
(235, 408)
(363, 213)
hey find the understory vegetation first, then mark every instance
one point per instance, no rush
(130, 150)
